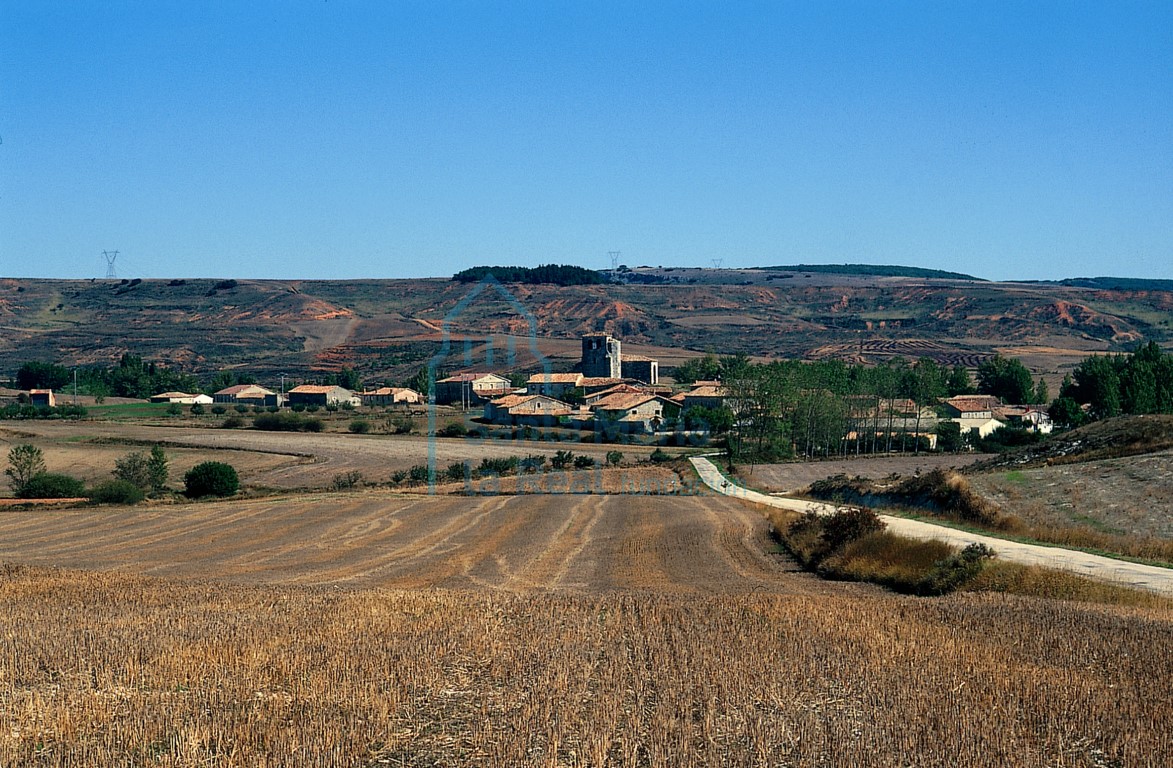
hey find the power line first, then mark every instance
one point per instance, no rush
(614, 259)
(110, 257)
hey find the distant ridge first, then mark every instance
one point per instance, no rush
(875, 270)
(1119, 283)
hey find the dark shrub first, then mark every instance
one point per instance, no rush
(197, 410)
(347, 480)
(955, 572)
(51, 485)
(614, 458)
(418, 473)
(232, 422)
(583, 462)
(455, 429)
(398, 476)
(659, 456)
(400, 424)
(117, 492)
(312, 408)
(219, 410)
(561, 459)
(240, 408)
(174, 409)
(501, 466)
(533, 463)
(360, 426)
(286, 422)
(455, 471)
(211, 478)
(848, 524)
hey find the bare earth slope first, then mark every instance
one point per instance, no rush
(388, 328)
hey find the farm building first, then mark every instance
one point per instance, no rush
(391, 396)
(537, 410)
(635, 411)
(983, 427)
(1032, 418)
(42, 398)
(181, 398)
(971, 406)
(246, 394)
(553, 384)
(640, 368)
(705, 395)
(471, 388)
(315, 394)
(594, 384)
(626, 389)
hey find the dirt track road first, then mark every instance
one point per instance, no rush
(1135, 575)
(583, 543)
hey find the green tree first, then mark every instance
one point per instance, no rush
(37, 375)
(52, 485)
(1065, 412)
(157, 470)
(24, 463)
(1042, 395)
(211, 478)
(1005, 378)
(705, 368)
(1097, 383)
(348, 379)
(134, 468)
(924, 384)
(959, 382)
(949, 437)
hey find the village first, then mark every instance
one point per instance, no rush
(613, 394)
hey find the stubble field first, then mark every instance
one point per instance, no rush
(272, 459)
(375, 629)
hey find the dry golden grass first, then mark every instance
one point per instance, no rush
(119, 670)
(1015, 579)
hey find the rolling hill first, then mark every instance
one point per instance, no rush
(389, 328)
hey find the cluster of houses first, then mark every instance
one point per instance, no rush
(974, 414)
(626, 404)
(306, 394)
(613, 390)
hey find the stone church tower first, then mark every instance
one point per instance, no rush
(601, 357)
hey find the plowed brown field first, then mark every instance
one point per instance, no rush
(581, 543)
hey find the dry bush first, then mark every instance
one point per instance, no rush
(115, 670)
(885, 558)
(1016, 579)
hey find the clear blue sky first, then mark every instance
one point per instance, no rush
(398, 139)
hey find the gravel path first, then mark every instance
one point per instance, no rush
(1148, 577)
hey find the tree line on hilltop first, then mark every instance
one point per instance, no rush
(546, 274)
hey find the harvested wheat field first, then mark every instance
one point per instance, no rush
(374, 629)
(281, 459)
(568, 542)
(118, 670)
